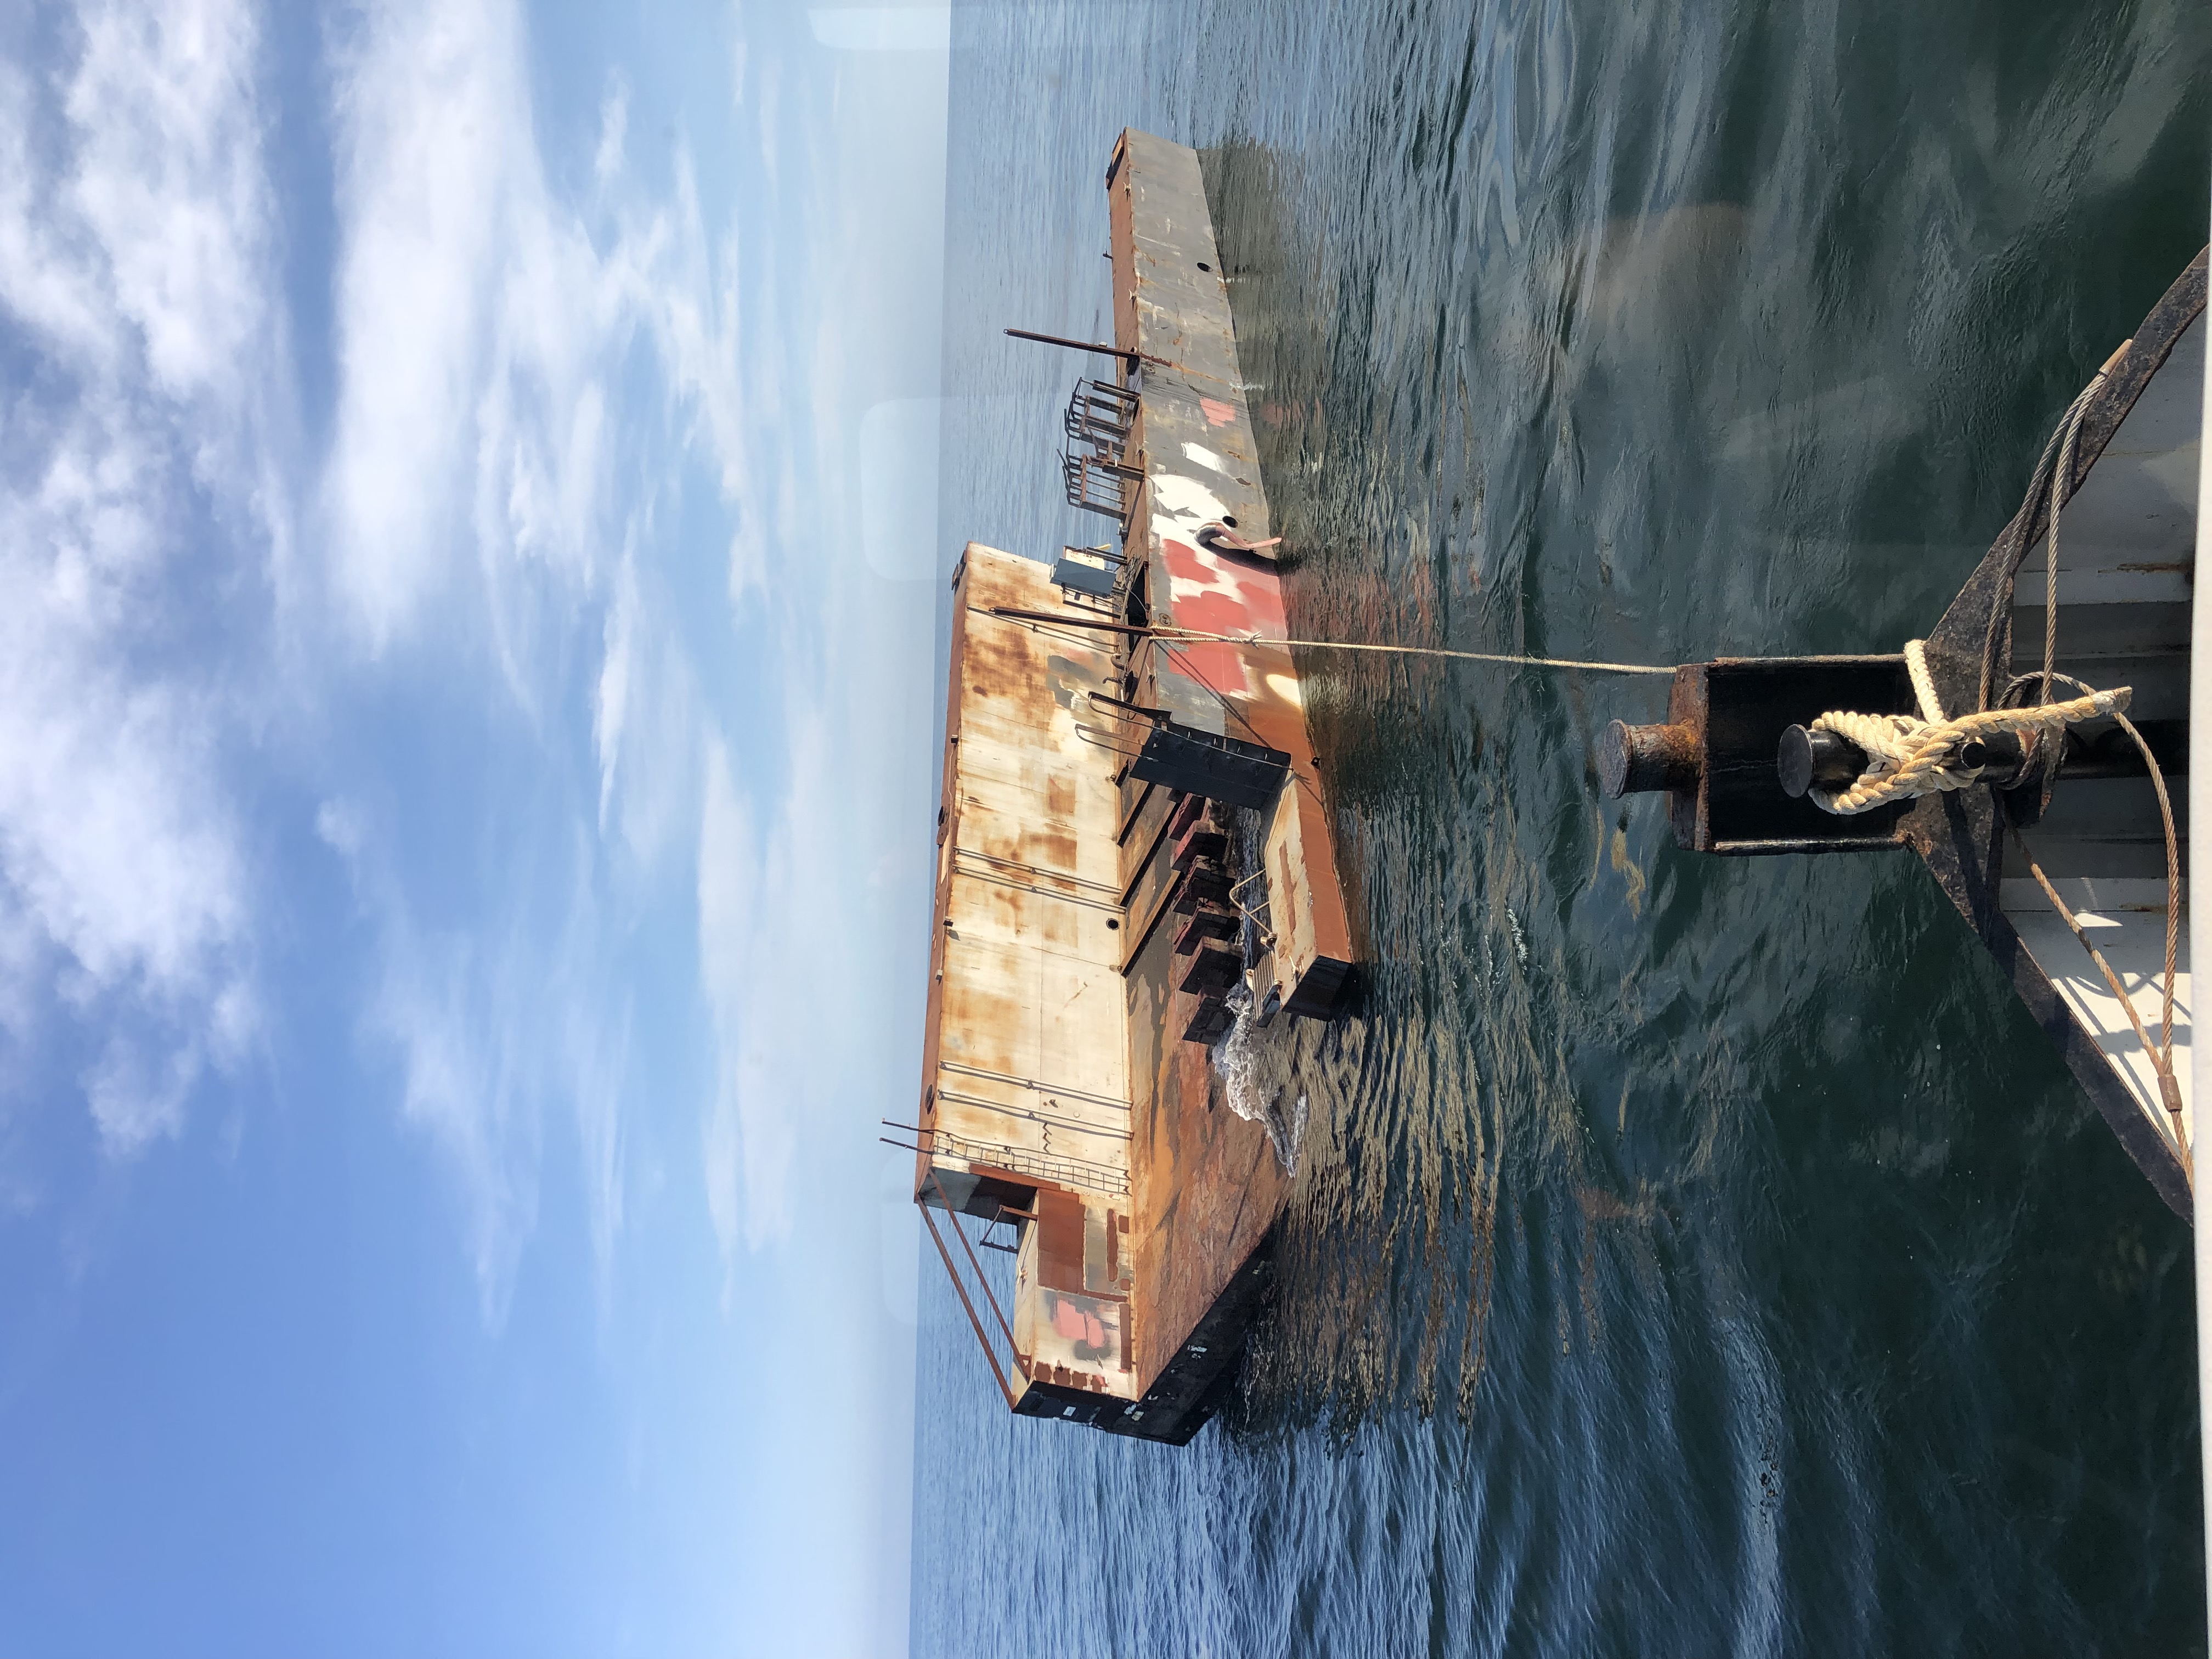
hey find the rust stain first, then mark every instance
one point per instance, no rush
(1054, 848)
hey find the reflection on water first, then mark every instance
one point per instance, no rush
(1684, 1255)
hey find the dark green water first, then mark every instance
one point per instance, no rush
(1687, 1256)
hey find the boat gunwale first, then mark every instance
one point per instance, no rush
(1959, 835)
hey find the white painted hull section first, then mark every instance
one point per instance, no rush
(2125, 920)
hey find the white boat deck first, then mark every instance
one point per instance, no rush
(2127, 559)
(2125, 920)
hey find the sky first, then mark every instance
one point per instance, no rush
(468, 584)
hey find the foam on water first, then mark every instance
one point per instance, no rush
(1251, 1095)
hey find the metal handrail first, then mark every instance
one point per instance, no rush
(1047, 1166)
(1098, 485)
(1261, 914)
(1102, 414)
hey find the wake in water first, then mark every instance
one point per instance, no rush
(1236, 1059)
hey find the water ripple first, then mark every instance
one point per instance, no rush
(1683, 1256)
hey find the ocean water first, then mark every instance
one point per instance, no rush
(1687, 1256)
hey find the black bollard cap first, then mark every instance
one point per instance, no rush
(1806, 758)
(1613, 760)
(1793, 762)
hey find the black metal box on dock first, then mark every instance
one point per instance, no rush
(1733, 711)
(1089, 571)
(1206, 763)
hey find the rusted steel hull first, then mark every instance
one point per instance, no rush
(1102, 789)
(1201, 466)
(1208, 1185)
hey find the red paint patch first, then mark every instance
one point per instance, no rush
(1221, 666)
(1212, 596)
(1217, 412)
(1234, 598)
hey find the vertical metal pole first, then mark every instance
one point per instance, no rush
(973, 1323)
(953, 1216)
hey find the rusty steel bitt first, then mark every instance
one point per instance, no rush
(1635, 760)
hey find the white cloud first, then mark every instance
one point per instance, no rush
(423, 141)
(733, 402)
(771, 87)
(774, 941)
(182, 578)
(136, 1097)
(481, 326)
(614, 129)
(645, 726)
(169, 180)
(618, 663)
(474, 326)
(482, 512)
(746, 958)
(462, 1021)
(801, 880)
(136, 275)
(495, 1028)
(595, 1067)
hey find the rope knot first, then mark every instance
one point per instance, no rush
(1908, 757)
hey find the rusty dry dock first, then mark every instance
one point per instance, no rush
(1094, 924)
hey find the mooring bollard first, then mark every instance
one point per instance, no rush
(1635, 760)
(1806, 759)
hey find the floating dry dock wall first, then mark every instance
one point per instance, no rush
(1083, 937)
(1026, 1111)
(1058, 1110)
(1201, 467)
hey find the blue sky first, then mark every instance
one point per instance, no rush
(466, 773)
